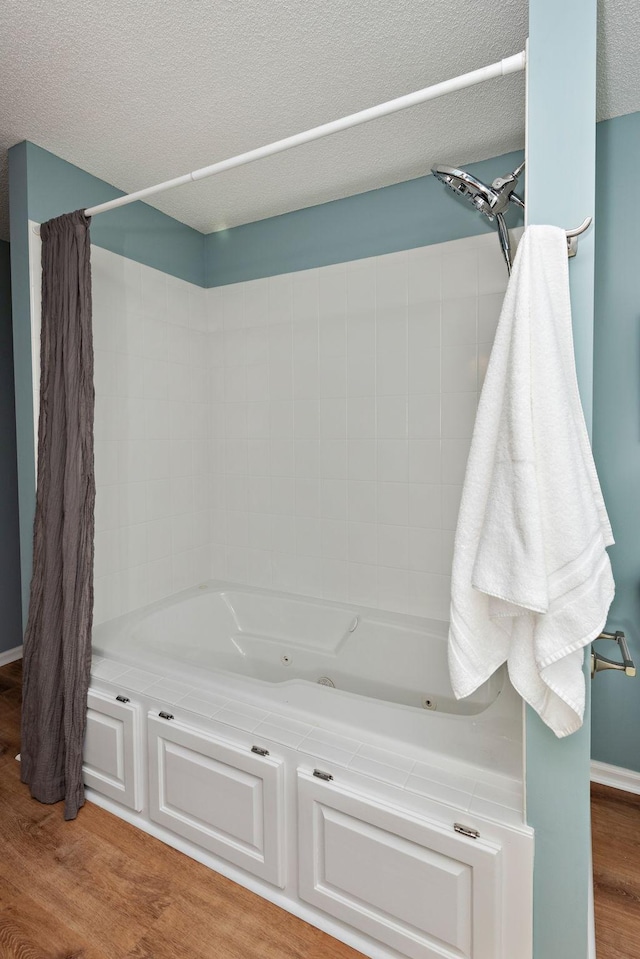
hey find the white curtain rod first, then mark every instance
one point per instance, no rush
(512, 64)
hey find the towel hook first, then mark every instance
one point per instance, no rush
(572, 235)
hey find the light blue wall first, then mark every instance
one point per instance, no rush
(10, 618)
(561, 136)
(616, 422)
(399, 217)
(138, 231)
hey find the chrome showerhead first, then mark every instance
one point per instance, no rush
(491, 200)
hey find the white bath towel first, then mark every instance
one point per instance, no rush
(531, 582)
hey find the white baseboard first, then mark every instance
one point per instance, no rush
(10, 655)
(616, 776)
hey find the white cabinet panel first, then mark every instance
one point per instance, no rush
(111, 749)
(392, 874)
(411, 883)
(219, 795)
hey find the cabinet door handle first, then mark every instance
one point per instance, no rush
(259, 750)
(466, 831)
(164, 715)
(319, 774)
(123, 699)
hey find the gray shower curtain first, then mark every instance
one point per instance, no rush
(57, 644)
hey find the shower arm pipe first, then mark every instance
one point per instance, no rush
(514, 64)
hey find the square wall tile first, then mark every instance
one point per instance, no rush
(458, 414)
(332, 293)
(460, 321)
(391, 280)
(305, 296)
(363, 584)
(362, 543)
(361, 290)
(460, 273)
(424, 274)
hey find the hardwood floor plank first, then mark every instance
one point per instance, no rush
(236, 934)
(12, 672)
(30, 931)
(11, 677)
(75, 877)
(16, 942)
(615, 824)
(9, 724)
(98, 888)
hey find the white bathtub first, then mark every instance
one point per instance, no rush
(389, 672)
(380, 810)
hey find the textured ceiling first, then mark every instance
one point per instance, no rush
(137, 93)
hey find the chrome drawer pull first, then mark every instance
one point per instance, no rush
(466, 831)
(326, 777)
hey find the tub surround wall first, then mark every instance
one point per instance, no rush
(152, 423)
(306, 432)
(344, 399)
(41, 186)
(152, 434)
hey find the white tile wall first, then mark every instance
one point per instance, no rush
(306, 432)
(342, 405)
(152, 434)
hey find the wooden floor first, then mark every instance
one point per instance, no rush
(97, 888)
(615, 818)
